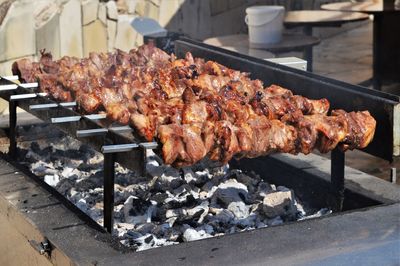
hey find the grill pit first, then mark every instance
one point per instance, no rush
(316, 181)
(86, 244)
(167, 206)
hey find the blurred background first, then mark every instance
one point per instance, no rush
(77, 27)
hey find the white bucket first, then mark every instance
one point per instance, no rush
(265, 25)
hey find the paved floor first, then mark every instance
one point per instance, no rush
(346, 56)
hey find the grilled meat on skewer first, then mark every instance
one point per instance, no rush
(197, 108)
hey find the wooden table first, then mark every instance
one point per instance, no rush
(290, 42)
(386, 40)
(320, 18)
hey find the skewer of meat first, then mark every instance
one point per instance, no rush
(259, 136)
(197, 108)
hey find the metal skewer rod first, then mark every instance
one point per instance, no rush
(67, 119)
(101, 131)
(29, 85)
(27, 96)
(121, 129)
(11, 78)
(67, 104)
(149, 145)
(91, 132)
(119, 148)
(127, 147)
(95, 116)
(47, 106)
(43, 106)
(10, 87)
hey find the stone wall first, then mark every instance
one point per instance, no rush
(63, 27)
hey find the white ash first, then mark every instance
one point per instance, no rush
(169, 206)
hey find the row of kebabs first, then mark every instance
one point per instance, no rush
(196, 108)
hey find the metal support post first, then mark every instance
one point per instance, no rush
(337, 176)
(144, 159)
(12, 152)
(109, 179)
(109, 152)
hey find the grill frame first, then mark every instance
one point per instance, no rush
(384, 107)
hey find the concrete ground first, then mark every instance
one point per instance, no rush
(347, 56)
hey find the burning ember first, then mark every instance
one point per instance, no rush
(168, 206)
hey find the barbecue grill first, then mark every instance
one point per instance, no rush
(120, 144)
